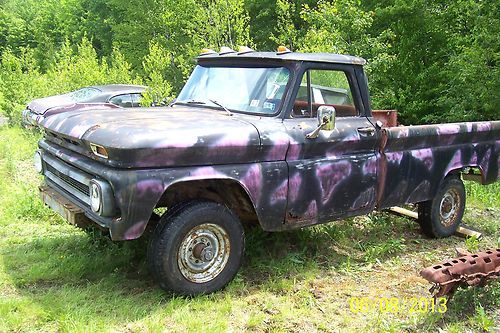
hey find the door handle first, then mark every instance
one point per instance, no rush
(367, 130)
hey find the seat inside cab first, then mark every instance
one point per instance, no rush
(322, 95)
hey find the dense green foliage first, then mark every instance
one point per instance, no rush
(432, 60)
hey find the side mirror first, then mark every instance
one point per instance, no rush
(326, 121)
(326, 117)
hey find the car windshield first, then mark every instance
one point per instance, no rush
(84, 94)
(250, 89)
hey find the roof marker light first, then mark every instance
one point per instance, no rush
(226, 50)
(207, 51)
(283, 50)
(245, 49)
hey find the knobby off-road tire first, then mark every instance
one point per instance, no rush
(197, 248)
(441, 216)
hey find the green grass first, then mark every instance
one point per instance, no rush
(56, 278)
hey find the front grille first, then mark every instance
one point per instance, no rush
(59, 138)
(68, 178)
(69, 181)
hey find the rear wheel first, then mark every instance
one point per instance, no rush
(441, 216)
(197, 249)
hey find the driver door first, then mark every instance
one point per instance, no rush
(333, 175)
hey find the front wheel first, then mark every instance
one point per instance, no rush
(441, 216)
(197, 249)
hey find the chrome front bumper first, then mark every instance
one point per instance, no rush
(66, 191)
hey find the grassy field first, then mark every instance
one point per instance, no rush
(56, 278)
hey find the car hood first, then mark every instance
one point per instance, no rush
(80, 107)
(154, 137)
(41, 105)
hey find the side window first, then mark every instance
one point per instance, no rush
(324, 87)
(125, 101)
(136, 100)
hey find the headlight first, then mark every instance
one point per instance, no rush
(95, 197)
(102, 200)
(37, 161)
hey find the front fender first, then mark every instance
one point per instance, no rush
(139, 192)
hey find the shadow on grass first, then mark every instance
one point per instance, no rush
(82, 258)
(342, 245)
(75, 259)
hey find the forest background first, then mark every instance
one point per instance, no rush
(433, 61)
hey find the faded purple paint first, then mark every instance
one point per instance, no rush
(280, 193)
(484, 127)
(136, 230)
(420, 192)
(311, 213)
(403, 133)
(364, 199)
(145, 187)
(185, 141)
(294, 187)
(204, 173)
(253, 182)
(370, 166)
(485, 162)
(395, 157)
(448, 129)
(280, 142)
(330, 176)
(455, 162)
(473, 159)
(294, 150)
(424, 155)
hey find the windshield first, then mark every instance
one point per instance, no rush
(252, 89)
(84, 94)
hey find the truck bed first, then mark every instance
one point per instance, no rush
(414, 159)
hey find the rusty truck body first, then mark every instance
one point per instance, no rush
(249, 138)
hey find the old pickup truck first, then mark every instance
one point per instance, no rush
(283, 139)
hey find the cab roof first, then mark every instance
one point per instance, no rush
(290, 56)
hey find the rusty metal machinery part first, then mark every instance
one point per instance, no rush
(467, 270)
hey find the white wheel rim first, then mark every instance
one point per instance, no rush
(448, 207)
(203, 253)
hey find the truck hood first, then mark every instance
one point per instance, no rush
(157, 137)
(41, 105)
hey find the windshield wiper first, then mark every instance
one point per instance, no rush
(222, 106)
(192, 101)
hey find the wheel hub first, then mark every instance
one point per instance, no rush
(203, 253)
(198, 249)
(448, 208)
